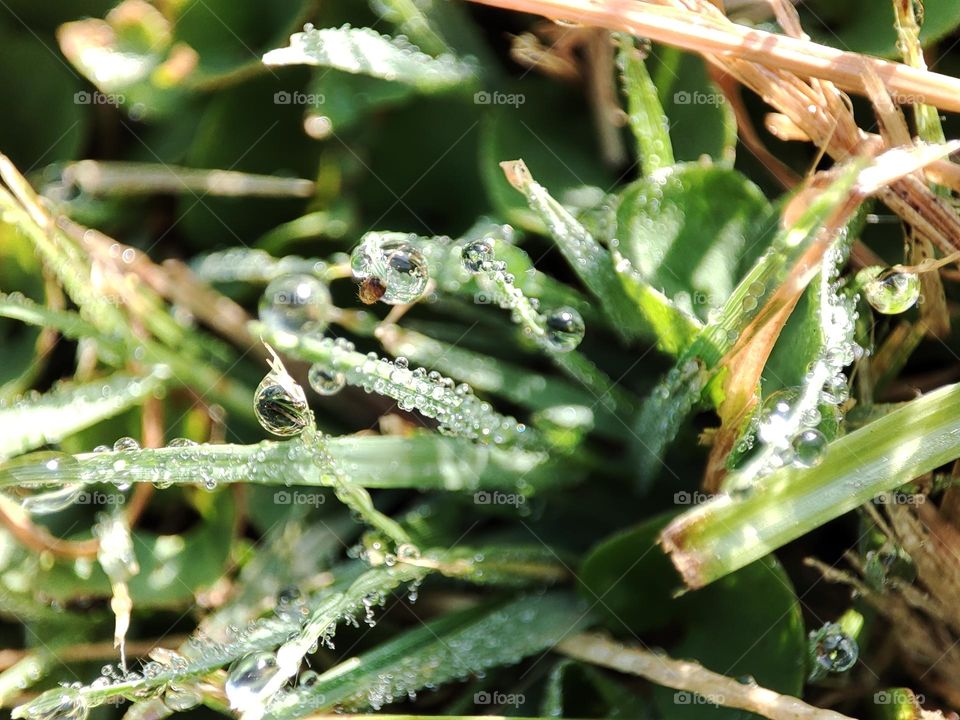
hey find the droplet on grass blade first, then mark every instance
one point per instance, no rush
(389, 269)
(890, 292)
(564, 329)
(296, 303)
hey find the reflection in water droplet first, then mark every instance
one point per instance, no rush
(474, 254)
(279, 402)
(325, 381)
(832, 651)
(247, 677)
(891, 293)
(809, 448)
(296, 303)
(390, 268)
(564, 329)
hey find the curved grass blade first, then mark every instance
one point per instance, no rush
(29, 423)
(444, 650)
(724, 534)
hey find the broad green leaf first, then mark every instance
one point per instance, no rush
(701, 121)
(692, 230)
(364, 51)
(30, 422)
(444, 650)
(749, 624)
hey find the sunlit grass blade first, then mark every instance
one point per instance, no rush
(423, 461)
(31, 422)
(725, 534)
(650, 126)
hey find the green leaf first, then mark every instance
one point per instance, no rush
(363, 51)
(450, 648)
(692, 230)
(575, 689)
(701, 121)
(748, 624)
(29, 423)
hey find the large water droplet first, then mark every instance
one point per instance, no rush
(835, 390)
(325, 381)
(279, 402)
(178, 698)
(390, 269)
(809, 448)
(474, 254)
(126, 444)
(54, 501)
(68, 705)
(247, 677)
(296, 303)
(564, 328)
(892, 293)
(832, 650)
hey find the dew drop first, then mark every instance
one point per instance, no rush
(832, 650)
(54, 501)
(178, 698)
(65, 706)
(325, 381)
(247, 677)
(280, 404)
(809, 448)
(564, 329)
(296, 303)
(126, 444)
(474, 254)
(835, 390)
(181, 443)
(390, 269)
(892, 293)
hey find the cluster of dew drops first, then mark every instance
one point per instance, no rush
(888, 292)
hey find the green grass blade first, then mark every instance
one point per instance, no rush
(725, 534)
(29, 423)
(650, 126)
(444, 650)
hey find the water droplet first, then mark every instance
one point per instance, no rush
(832, 650)
(835, 390)
(54, 501)
(565, 329)
(247, 677)
(809, 448)
(68, 705)
(296, 303)
(181, 443)
(390, 269)
(178, 698)
(325, 381)
(308, 678)
(279, 402)
(289, 603)
(126, 444)
(892, 293)
(474, 254)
